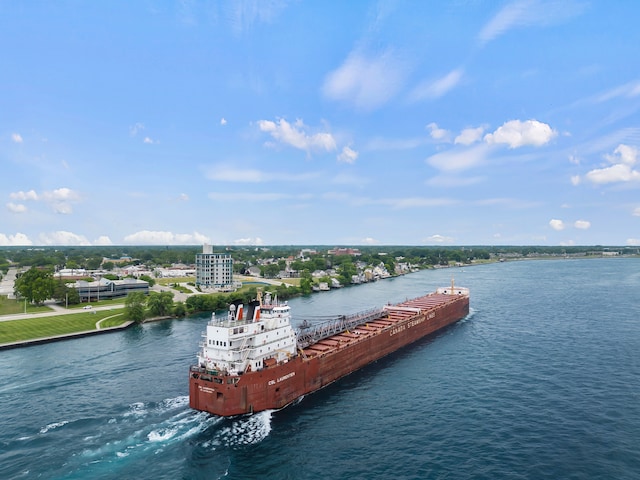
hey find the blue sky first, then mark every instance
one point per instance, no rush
(310, 122)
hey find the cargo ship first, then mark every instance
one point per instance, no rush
(255, 360)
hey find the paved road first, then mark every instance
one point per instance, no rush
(6, 285)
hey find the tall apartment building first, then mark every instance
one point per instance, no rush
(213, 270)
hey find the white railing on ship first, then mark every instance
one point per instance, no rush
(308, 334)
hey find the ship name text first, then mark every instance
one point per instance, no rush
(412, 323)
(282, 378)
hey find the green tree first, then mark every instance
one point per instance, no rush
(160, 304)
(270, 271)
(306, 282)
(346, 271)
(134, 306)
(93, 263)
(148, 279)
(35, 285)
(179, 309)
(65, 295)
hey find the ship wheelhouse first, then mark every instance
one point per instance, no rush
(236, 344)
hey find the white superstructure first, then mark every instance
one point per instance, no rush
(234, 344)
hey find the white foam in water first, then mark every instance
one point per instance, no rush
(157, 432)
(173, 403)
(53, 426)
(137, 410)
(161, 434)
(247, 430)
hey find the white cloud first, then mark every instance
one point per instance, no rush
(148, 140)
(30, 195)
(60, 194)
(248, 241)
(582, 224)
(296, 136)
(613, 174)
(226, 173)
(147, 237)
(14, 240)
(636, 212)
(369, 241)
(624, 157)
(16, 137)
(628, 90)
(367, 83)
(557, 224)
(438, 239)
(103, 240)
(576, 180)
(223, 121)
(438, 133)
(16, 207)
(430, 89)
(632, 242)
(525, 13)
(348, 155)
(62, 237)
(517, 134)
(459, 159)
(183, 197)
(625, 154)
(60, 200)
(469, 136)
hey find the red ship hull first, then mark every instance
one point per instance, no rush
(324, 362)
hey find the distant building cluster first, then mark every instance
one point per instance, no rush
(344, 251)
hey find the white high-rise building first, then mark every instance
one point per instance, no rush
(213, 270)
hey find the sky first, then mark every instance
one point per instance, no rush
(314, 122)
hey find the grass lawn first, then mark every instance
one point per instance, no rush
(10, 307)
(170, 281)
(39, 327)
(115, 302)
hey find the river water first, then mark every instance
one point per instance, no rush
(541, 380)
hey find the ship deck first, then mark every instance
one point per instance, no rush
(394, 315)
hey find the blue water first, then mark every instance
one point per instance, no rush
(541, 381)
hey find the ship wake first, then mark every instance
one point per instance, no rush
(117, 442)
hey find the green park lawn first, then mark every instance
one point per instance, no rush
(39, 327)
(12, 306)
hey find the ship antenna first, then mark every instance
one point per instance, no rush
(452, 287)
